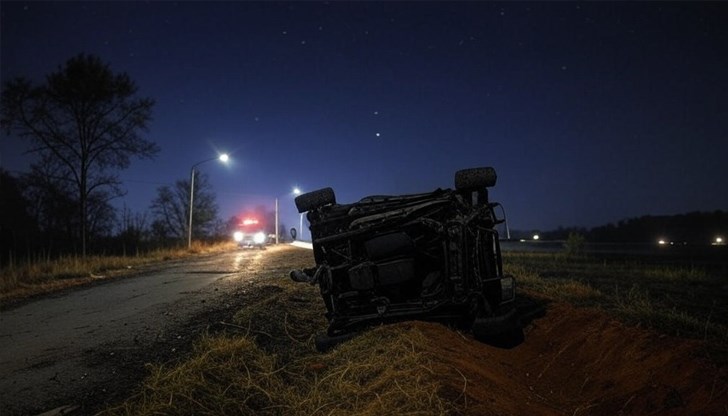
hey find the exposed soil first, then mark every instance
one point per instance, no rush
(578, 361)
(581, 362)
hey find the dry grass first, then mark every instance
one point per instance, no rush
(680, 275)
(267, 364)
(223, 376)
(563, 289)
(635, 306)
(381, 372)
(680, 301)
(43, 275)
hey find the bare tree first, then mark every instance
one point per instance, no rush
(86, 120)
(133, 224)
(132, 230)
(171, 209)
(52, 205)
(168, 210)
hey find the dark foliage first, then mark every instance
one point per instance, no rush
(84, 123)
(693, 228)
(170, 210)
(18, 230)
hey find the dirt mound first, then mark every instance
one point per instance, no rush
(580, 362)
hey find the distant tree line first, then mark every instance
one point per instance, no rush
(84, 124)
(693, 228)
(38, 219)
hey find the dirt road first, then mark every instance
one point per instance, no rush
(83, 348)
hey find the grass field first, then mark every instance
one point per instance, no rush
(682, 301)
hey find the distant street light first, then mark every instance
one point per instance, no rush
(276, 230)
(222, 158)
(295, 191)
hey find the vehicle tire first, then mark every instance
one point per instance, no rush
(325, 342)
(315, 199)
(475, 178)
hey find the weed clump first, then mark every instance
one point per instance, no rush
(384, 370)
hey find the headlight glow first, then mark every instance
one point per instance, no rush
(238, 236)
(259, 238)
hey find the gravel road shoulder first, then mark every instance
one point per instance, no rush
(103, 363)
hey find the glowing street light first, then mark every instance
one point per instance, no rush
(222, 158)
(719, 241)
(297, 191)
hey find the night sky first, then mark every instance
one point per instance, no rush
(590, 113)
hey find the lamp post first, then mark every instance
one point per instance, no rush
(223, 158)
(300, 226)
(297, 191)
(277, 231)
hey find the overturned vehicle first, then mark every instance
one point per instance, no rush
(432, 256)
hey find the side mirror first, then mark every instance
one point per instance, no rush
(500, 219)
(293, 233)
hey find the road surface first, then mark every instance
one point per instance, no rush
(80, 348)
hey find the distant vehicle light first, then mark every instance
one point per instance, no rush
(719, 241)
(238, 236)
(662, 242)
(259, 238)
(536, 237)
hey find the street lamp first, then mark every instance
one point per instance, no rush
(222, 158)
(295, 191)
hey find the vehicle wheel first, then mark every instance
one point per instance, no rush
(315, 199)
(475, 178)
(325, 342)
